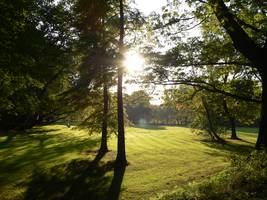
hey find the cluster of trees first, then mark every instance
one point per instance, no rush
(59, 59)
(204, 112)
(35, 62)
(227, 61)
(141, 112)
(214, 113)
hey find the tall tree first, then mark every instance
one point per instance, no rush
(97, 33)
(35, 62)
(243, 23)
(104, 146)
(232, 120)
(256, 53)
(121, 153)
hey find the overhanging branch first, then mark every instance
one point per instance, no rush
(208, 87)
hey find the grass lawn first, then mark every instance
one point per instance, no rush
(51, 162)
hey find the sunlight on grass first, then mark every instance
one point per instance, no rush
(160, 158)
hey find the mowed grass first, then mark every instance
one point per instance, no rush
(161, 158)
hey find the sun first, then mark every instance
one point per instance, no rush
(133, 62)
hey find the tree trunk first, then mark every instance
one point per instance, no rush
(233, 129)
(262, 136)
(231, 120)
(256, 55)
(104, 147)
(211, 130)
(121, 154)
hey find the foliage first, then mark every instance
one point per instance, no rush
(206, 111)
(141, 113)
(245, 179)
(216, 61)
(209, 114)
(35, 61)
(137, 106)
(90, 117)
(180, 100)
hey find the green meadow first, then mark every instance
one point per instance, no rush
(55, 162)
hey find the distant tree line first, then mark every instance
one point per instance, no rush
(184, 106)
(141, 112)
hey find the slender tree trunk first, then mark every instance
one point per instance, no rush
(262, 136)
(231, 120)
(121, 154)
(211, 130)
(233, 129)
(104, 139)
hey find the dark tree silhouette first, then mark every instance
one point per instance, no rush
(211, 130)
(253, 52)
(121, 154)
(231, 120)
(104, 146)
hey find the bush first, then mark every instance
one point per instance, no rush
(245, 179)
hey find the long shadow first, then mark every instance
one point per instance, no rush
(79, 179)
(39, 131)
(9, 138)
(28, 156)
(12, 134)
(229, 147)
(43, 153)
(115, 187)
(99, 156)
(245, 141)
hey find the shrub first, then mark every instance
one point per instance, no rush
(245, 179)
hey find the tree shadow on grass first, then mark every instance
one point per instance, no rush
(77, 180)
(39, 131)
(228, 147)
(10, 135)
(245, 141)
(37, 154)
(115, 186)
(9, 138)
(26, 153)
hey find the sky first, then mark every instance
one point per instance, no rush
(148, 6)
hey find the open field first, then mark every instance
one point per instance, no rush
(39, 164)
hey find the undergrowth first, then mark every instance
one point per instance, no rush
(245, 179)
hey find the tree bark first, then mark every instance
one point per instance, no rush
(121, 153)
(262, 136)
(231, 120)
(104, 139)
(241, 40)
(211, 130)
(257, 56)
